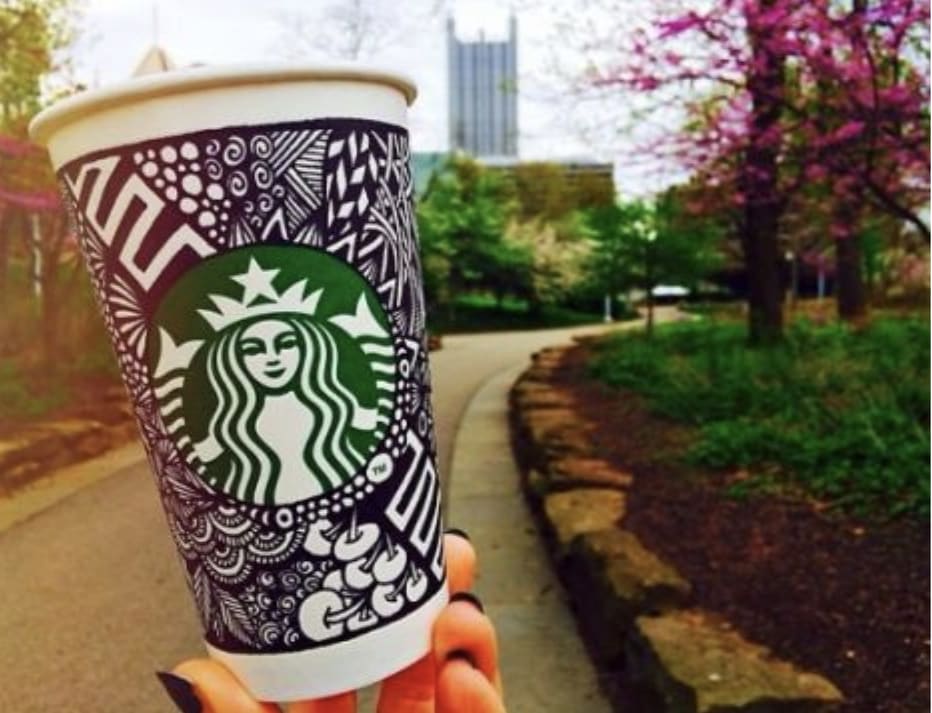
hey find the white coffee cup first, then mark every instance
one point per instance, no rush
(250, 236)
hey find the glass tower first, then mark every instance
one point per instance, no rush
(483, 93)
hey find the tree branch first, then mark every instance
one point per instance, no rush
(886, 200)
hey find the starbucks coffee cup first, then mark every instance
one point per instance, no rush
(250, 236)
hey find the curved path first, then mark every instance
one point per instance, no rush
(92, 600)
(544, 664)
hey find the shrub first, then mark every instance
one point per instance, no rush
(18, 399)
(843, 414)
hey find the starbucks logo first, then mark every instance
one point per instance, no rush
(274, 372)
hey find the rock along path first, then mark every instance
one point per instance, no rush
(92, 600)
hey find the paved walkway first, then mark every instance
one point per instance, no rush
(92, 600)
(544, 665)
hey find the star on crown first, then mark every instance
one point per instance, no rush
(257, 282)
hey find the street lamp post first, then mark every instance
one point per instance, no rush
(794, 279)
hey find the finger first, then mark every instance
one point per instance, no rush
(411, 690)
(461, 561)
(464, 689)
(340, 703)
(213, 686)
(463, 629)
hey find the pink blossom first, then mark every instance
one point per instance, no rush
(816, 172)
(840, 231)
(678, 25)
(15, 147)
(841, 102)
(647, 84)
(850, 130)
(38, 200)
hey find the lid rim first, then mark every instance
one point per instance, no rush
(191, 79)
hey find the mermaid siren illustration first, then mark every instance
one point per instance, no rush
(284, 423)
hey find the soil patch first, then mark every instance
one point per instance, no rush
(842, 597)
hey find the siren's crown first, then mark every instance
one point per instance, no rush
(257, 282)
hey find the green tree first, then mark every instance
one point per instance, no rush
(461, 221)
(611, 268)
(547, 232)
(33, 34)
(552, 258)
(641, 245)
(551, 191)
(484, 230)
(542, 191)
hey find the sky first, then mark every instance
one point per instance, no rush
(116, 33)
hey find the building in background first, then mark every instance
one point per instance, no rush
(557, 185)
(483, 93)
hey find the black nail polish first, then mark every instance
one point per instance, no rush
(458, 532)
(181, 692)
(461, 655)
(468, 597)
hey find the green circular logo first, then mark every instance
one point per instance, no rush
(274, 372)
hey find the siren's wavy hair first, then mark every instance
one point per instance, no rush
(254, 468)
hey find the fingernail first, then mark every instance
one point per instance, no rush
(458, 532)
(181, 692)
(468, 597)
(461, 655)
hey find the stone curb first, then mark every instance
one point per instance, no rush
(631, 606)
(37, 449)
(697, 662)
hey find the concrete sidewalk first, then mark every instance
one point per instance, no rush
(544, 664)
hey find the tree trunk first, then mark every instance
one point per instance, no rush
(649, 287)
(48, 240)
(535, 306)
(760, 183)
(5, 228)
(762, 257)
(650, 314)
(850, 287)
(50, 325)
(792, 294)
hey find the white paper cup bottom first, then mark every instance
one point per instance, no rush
(346, 666)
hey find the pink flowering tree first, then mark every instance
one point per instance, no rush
(31, 210)
(34, 68)
(780, 97)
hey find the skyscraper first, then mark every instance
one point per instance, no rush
(483, 93)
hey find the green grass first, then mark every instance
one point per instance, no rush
(726, 310)
(30, 393)
(19, 400)
(842, 414)
(478, 313)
